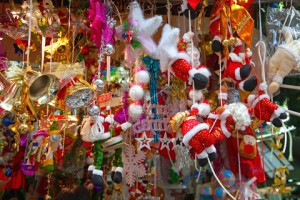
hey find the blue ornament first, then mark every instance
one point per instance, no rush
(6, 122)
(9, 133)
(8, 172)
(227, 173)
(219, 193)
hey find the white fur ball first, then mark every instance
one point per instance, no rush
(136, 92)
(197, 94)
(135, 111)
(142, 77)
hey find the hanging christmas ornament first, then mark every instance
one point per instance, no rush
(144, 141)
(108, 49)
(136, 92)
(93, 110)
(98, 84)
(142, 77)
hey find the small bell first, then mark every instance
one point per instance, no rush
(94, 110)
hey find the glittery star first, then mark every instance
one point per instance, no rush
(177, 143)
(165, 142)
(144, 141)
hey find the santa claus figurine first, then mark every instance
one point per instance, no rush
(238, 68)
(195, 135)
(173, 55)
(264, 109)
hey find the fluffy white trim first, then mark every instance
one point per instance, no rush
(260, 97)
(142, 77)
(250, 99)
(237, 74)
(150, 26)
(204, 71)
(249, 53)
(99, 136)
(277, 78)
(180, 55)
(203, 109)
(100, 118)
(235, 58)
(240, 115)
(91, 167)
(119, 169)
(224, 114)
(210, 149)
(125, 126)
(98, 172)
(216, 37)
(224, 128)
(202, 155)
(197, 94)
(136, 92)
(187, 37)
(190, 134)
(135, 111)
(109, 118)
(276, 113)
(263, 86)
(238, 42)
(192, 72)
(213, 116)
(113, 168)
(223, 96)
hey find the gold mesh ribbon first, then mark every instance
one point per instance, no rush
(177, 90)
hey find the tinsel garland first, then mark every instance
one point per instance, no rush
(153, 69)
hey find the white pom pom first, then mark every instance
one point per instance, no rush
(142, 77)
(197, 94)
(136, 92)
(135, 111)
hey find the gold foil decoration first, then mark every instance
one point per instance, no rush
(201, 14)
(243, 23)
(178, 90)
(281, 178)
(177, 120)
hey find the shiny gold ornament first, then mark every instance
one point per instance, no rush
(207, 48)
(177, 120)
(24, 117)
(225, 42)
(44, 88)
(18, 106)
(23, 129)
(232, 40)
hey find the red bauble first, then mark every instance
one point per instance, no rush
(85, 50)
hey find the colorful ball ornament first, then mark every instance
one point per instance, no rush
(142, 77)
(136, 92)
(219, 193)
(227, 178)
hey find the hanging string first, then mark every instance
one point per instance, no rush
(43, 52)
(285, 138)
(239, 157)
(218, 180)
(291, 159)
(29, 33)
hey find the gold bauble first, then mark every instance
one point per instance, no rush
(18, 106)
(225, 42)
(24, 117)
(23, 129)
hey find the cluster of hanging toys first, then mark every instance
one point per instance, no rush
(97, 121)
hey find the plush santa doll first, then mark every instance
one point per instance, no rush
(178, 60)
(264, 109)
(195, 135)
(238, 68)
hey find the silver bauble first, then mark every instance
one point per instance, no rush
(94, 110)
(112, 23)
(109, 49)
(98, 84)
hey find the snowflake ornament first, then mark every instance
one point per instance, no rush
(133, 164)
